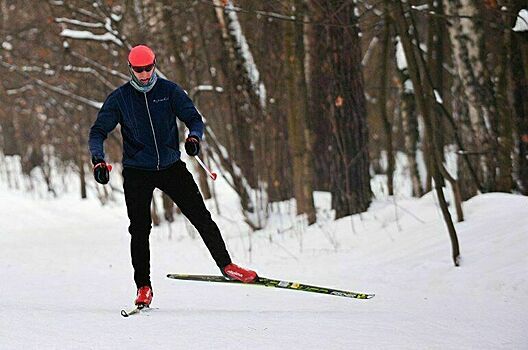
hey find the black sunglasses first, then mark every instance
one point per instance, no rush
(143, 68)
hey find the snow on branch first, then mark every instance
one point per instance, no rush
(369, 51)
(252, 72)
(64, 92)
(79, 23)
(90, 70)
(401, 60)
(438, 97)
(19, 90)
(87, 35)
(420, 7)
(100, 66)
(103, 20)
(201, 88)
(521, 24)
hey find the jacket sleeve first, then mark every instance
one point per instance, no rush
(187, 112)
(106, 121)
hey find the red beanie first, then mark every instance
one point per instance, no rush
(141, 55)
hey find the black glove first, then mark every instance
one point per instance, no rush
(101, 170)
(192, 145)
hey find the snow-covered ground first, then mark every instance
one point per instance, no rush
(65, 275)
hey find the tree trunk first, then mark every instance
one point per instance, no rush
(467, 39)
(519, 65)
(351, 193)
(247, 103)
(435, 61)
(384, 80)
(421, 98)
(82, 175)
(319, 109)
(297, 113)
(409, 120)
(504, 123)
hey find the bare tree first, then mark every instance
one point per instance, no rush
(416, 73)
(299, 142)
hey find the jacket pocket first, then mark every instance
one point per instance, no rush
(130, 149)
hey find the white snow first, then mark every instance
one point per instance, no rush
(401, 60)
(79, 23)
(249, 63)
(438, 98)
(116, 17)
(66, 274)
(87, 35)
(420, 7)
(408, 86)
(368, 52)
(195, 89)
(19, 90)
(7, 46)
(521, 25)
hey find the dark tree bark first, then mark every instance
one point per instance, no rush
(518, 71)
(384, 82)
(297, 113)
(319, 108)
(435, 61)
(347, 119)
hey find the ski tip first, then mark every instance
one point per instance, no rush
(124, 313)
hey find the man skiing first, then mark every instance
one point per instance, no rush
(146, 107)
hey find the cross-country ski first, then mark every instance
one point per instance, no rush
(138, 309)
(274, 283)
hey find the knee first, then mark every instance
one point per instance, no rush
(140, 228)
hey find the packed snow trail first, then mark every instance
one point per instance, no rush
(66, 274)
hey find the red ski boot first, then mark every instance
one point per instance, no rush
(144, 296)
(234, 272)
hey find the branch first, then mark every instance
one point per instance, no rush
(100, 66)
(53, 88)
(87, 35)
(79, 23)
(20, 90)
(90, 70)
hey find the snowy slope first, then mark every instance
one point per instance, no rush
(65, 272)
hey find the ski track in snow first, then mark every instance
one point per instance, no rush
(65, 272)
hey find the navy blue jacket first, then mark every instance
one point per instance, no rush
(148, 124)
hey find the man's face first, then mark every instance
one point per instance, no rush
(143, 73)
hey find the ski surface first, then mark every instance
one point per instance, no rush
(274, 283)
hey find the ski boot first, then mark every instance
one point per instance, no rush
(234, 272)
(144, 296)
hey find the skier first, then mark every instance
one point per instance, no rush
(146, 107)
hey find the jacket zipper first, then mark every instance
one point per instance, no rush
(153, 133)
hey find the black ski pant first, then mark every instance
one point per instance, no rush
(178, 183)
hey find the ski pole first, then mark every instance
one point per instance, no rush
(211, 174)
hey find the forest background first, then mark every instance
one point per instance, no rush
(298, 95)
